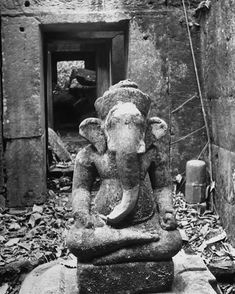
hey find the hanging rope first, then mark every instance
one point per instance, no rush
(185, 102)
(188, 135)
(203, 150)
(200, 96)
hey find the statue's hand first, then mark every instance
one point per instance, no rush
(168, 221)
(88, 221)
(83, 220)
(98, 221)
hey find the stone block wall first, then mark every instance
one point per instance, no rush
(159, 60)
(218, 60)
(23, 111)
(1, 135)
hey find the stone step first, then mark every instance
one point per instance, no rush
(60, 277)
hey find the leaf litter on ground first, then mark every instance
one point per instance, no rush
(34, 235)
(203, 234)
(37, 235)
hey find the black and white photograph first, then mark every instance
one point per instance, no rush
(117, 146)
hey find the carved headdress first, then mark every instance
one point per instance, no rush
(124, 91)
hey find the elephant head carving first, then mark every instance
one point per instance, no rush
(123, 120)
(123, 127)
(130, 218)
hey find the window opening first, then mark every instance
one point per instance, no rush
(73, 95)
(81, 61)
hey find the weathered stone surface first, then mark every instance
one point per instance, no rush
(188, 262)
(125, 278)
(195, 187)
(182, 86)
(136, 5)
(60, 277)
(192, 276)
(51, 278)
(223, 122)
(218, 49)
(48, 6)
(139, 5)
(91, 5)
(178, 3)
(224, 167)
(2, 202)
(79, 17)
(147, 65)
(162, 66)
(1, 135)
(148, 61)
(25, 171)
(23, 109)
(126, 93)
(223, 270)
(57, 146)
(121, 223)
(194, 282)
(127, 241)
(130, 245)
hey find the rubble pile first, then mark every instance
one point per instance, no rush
(37, 235)
(203, 234)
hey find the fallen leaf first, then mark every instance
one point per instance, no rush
(26, 246)
(229, 249)
(183, 235)
(14, 227)
(66, 188)
(16, 212)
(4, 288)
(61, 165)
(2, 239)
(220, 253)
(217, 238)
(195, 237)
(12, 242)
(38, 208)
(57, 223)
(52, 193)
(58, 252)
(204, 230)
(35, 219)
(230, 290)
(184, 223)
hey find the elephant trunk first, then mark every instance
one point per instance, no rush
(128, 166)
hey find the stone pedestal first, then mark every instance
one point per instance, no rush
(134, 277)
(191, 276)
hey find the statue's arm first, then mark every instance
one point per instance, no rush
(160, 180)
(83, 178)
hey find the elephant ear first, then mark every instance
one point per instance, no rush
(157, 128)
(91, 129)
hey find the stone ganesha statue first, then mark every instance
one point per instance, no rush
(131, 218)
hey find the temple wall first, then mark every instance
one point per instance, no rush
(1, 136)
(159, 60)
(218, 43)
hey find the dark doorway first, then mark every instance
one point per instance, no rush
(81, 61)
(74, 92)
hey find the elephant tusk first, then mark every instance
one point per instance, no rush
(127, 204)
(103, 217)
